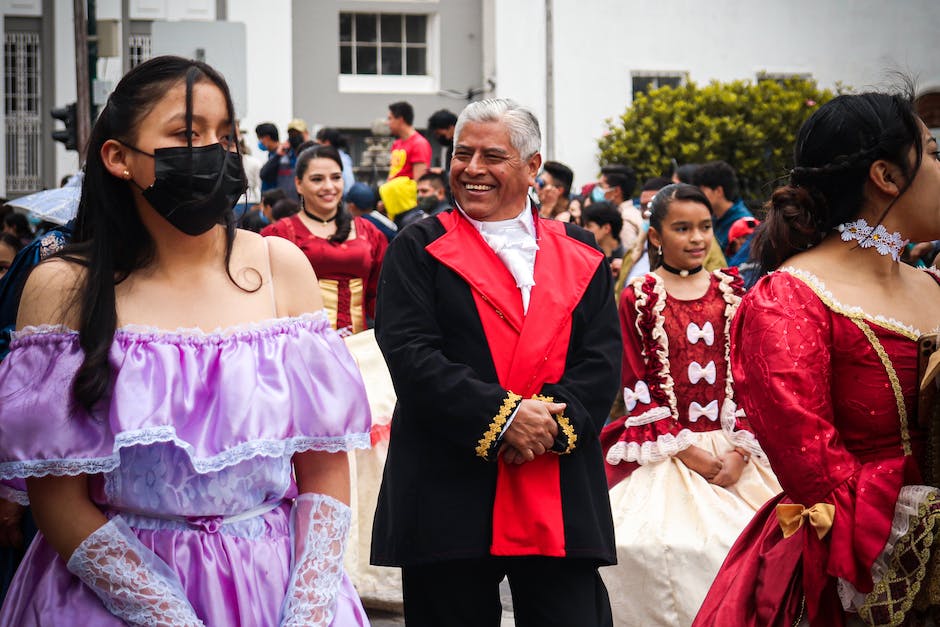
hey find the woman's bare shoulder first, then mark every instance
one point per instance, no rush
(51, 293)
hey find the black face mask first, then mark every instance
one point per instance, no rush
(444, 142)
(427, 203)
(195, 187)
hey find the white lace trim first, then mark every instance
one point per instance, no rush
(202, 465)
(664, 447)
(13, 495)
(321, 523)
(659, 334)
(739, 437)
(132, 582)
(907, 508)
(650, 415)
(238, 330)
(817, 285)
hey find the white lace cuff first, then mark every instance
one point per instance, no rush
(320, 528)
(905, 510)
(660, 449)
(740, 438)
(132, 582)
(13, 495)
(650, 415)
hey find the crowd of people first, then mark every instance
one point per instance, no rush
(639, 403)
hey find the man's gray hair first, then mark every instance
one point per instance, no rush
(523, 126)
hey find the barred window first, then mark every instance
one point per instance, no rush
(383, 44)
(646, 81)
(139, 49)
(22, 103)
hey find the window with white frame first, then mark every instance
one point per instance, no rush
(383, 44)
(646, 81)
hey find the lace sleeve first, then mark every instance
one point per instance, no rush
(320, 529)
(132, 582)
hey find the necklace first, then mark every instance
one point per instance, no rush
(682, 273)
(877, 237)
(318, 218)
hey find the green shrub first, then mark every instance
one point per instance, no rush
(752, 126)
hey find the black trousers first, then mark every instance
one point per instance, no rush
(546, 592)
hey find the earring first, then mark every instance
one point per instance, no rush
(127, 174)
(659, 251)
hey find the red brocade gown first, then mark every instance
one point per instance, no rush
(674, 528)
(830, 391)
(348, 272)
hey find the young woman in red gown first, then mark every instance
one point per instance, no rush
(825, 358)
(345, 252)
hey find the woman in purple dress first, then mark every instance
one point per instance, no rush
(177, 476)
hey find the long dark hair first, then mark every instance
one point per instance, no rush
(659, 208)
(834, 151)
(109, 238)
(343, 217)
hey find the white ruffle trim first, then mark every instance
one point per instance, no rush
(907, 508)
(202, 465)
(13, 495)
(664, 447)
(739, 437)
(246, 328)
(650, 415)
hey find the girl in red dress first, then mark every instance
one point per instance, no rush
(825, 356)
(686, 473)
(345, 252)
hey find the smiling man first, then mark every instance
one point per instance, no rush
(501, 336)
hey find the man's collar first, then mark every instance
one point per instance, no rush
(524, 218)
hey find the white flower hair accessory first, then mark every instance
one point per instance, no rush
(877, 237)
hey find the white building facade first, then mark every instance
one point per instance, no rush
(576, 63)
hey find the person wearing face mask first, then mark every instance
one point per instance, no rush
(432, 194)
(441, 125)
(345, 251)
(183, 476)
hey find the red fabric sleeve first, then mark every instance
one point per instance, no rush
(378, 244)
(782, 359)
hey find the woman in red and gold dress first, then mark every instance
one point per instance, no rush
(345, 252)
(685, 471)
(825, 357)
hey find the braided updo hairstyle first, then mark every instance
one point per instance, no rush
(834, 151)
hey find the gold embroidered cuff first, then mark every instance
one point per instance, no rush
(485, 444)
(566, 439)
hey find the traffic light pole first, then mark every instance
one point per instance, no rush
(82, 80)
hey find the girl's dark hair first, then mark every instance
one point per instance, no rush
(19, 223)
(659, 208)
(834, 151)
(109, 239)
(343, 217)
(12, 241)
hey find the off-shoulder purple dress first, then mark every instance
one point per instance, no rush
(192, 448)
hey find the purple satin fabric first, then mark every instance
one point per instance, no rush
(230, 581)
(286, 386)
(199, 426)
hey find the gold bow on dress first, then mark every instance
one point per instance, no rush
(791, 515)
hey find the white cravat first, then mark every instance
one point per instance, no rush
(514, 243)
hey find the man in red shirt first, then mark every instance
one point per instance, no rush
(411, 152)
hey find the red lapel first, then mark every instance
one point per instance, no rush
(528, 351)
